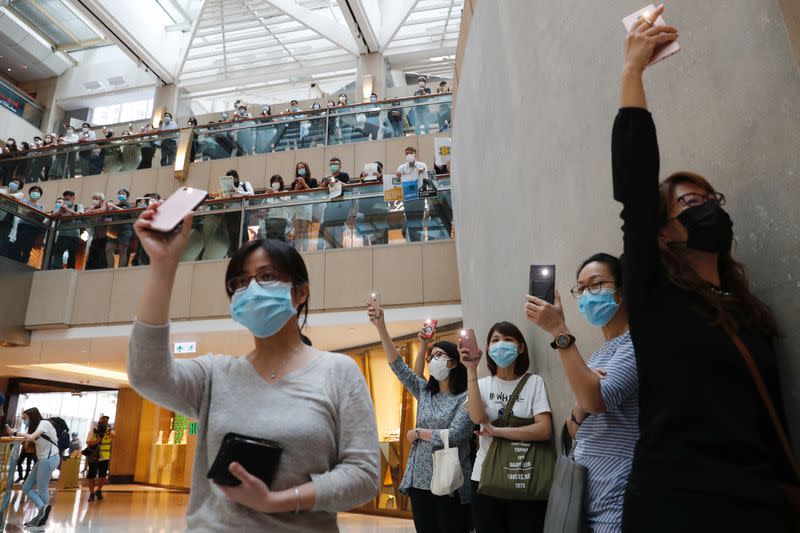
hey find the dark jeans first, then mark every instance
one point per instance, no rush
(659, 509)
(493, 515)
(438, 514)
(147, 157)
(168, 149)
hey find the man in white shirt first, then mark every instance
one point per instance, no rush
(240, 187)
(412, 170)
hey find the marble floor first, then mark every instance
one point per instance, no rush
(147, 512)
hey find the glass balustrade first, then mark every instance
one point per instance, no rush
(223, 140)
(23, 231)
(309, 220)
(90, 158)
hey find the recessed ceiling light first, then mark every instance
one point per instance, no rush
(9, 70)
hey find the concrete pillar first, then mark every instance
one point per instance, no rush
(726, 106)
(165, 99)
(370, 76)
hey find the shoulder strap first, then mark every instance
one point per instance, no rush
(514, 395)
(762, 391)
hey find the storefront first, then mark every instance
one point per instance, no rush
(166, 441)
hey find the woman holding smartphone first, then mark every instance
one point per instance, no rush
(508, 364)
(709, 458)
(442, 405)
(314, 404)
(606, 415)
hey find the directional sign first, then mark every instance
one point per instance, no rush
(185, 347)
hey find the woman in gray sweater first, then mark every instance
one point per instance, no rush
(315, 404)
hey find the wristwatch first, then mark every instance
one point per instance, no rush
(562, 342)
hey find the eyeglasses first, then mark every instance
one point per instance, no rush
(437, 355)
(594, 288)
(240, 283)
(694, 199)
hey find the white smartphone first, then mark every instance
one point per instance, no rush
(661, 52)
(375, 300)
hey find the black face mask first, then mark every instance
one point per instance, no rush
(101, 428)
(710, 228)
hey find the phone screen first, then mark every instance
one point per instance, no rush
(543, 282)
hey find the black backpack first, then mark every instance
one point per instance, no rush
(62, 430)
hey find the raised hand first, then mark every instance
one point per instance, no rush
(375, 315)
(162, 248)
(549, 318)
(644, 38)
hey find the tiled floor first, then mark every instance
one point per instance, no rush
(147, 512)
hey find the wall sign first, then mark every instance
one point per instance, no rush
(185, 347)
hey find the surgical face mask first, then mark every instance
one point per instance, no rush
(48, 140)
(122, 197)
(275, 186)
(242, 111)
(373, 98)
(69, 203)
(11, 142)
(224, 116)
(70, 131)
(422, 84)
(85, 129)
(295, 108)
(95, 201)
(709, 226)
(503, 353)
(35, 195)
(263, 309)
(37, 142)
(168, 118)
(343, 99)
(13, 186)
(438, 368)
(25, 422)
(301, 172)
(598, 308)
(59, 205)
(411, 158)
(315, 106)
(334, 168)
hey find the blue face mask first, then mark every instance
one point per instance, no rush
(13, 186)
(122, 197)
(504, 353)
(263, 309)
(598, 308)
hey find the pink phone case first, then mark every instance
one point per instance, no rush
(177, 206)
(661, 52)
(469, 341)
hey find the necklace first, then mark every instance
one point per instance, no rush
(274, 374)
(720, 292)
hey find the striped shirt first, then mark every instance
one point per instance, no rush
(606, 440)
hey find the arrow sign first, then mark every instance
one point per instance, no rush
(185, 347)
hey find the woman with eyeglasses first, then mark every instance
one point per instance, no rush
(708, 458)
(314, 404)
(606, 414)
(442, 405)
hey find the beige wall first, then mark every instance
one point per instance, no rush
(405, 274)
(257, 169)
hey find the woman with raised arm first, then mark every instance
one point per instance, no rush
(708, 458)
(442, 406)
(508, 364)
(314, 404)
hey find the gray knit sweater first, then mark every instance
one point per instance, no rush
(321, 414)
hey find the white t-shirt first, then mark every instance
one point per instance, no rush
(44, 448)
(495, 392)
(407, 172)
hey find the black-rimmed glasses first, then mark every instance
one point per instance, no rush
(241, 282)
(693, 199)
(594, 288)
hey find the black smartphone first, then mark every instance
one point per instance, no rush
(260, 457)
(543, 282)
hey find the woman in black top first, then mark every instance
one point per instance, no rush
(708, 458)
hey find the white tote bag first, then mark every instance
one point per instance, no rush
(447, 475)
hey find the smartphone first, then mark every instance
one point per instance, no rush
(259, 457)
(543, 282)
(661, 52)
(375, 300)
(429, 328)
(469, 341)
(177, 206)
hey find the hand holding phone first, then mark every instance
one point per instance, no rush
(428, 329)
(161, 247)
(468, 348)
(666, 45)
(176, 207)
(542, 282)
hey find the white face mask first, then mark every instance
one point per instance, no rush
(422, 84)
(438, 368)
(275, 186)
(411, 158)
(95, 201)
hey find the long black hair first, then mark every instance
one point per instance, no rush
(34, 417)
(286, 260)
(458, 374)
